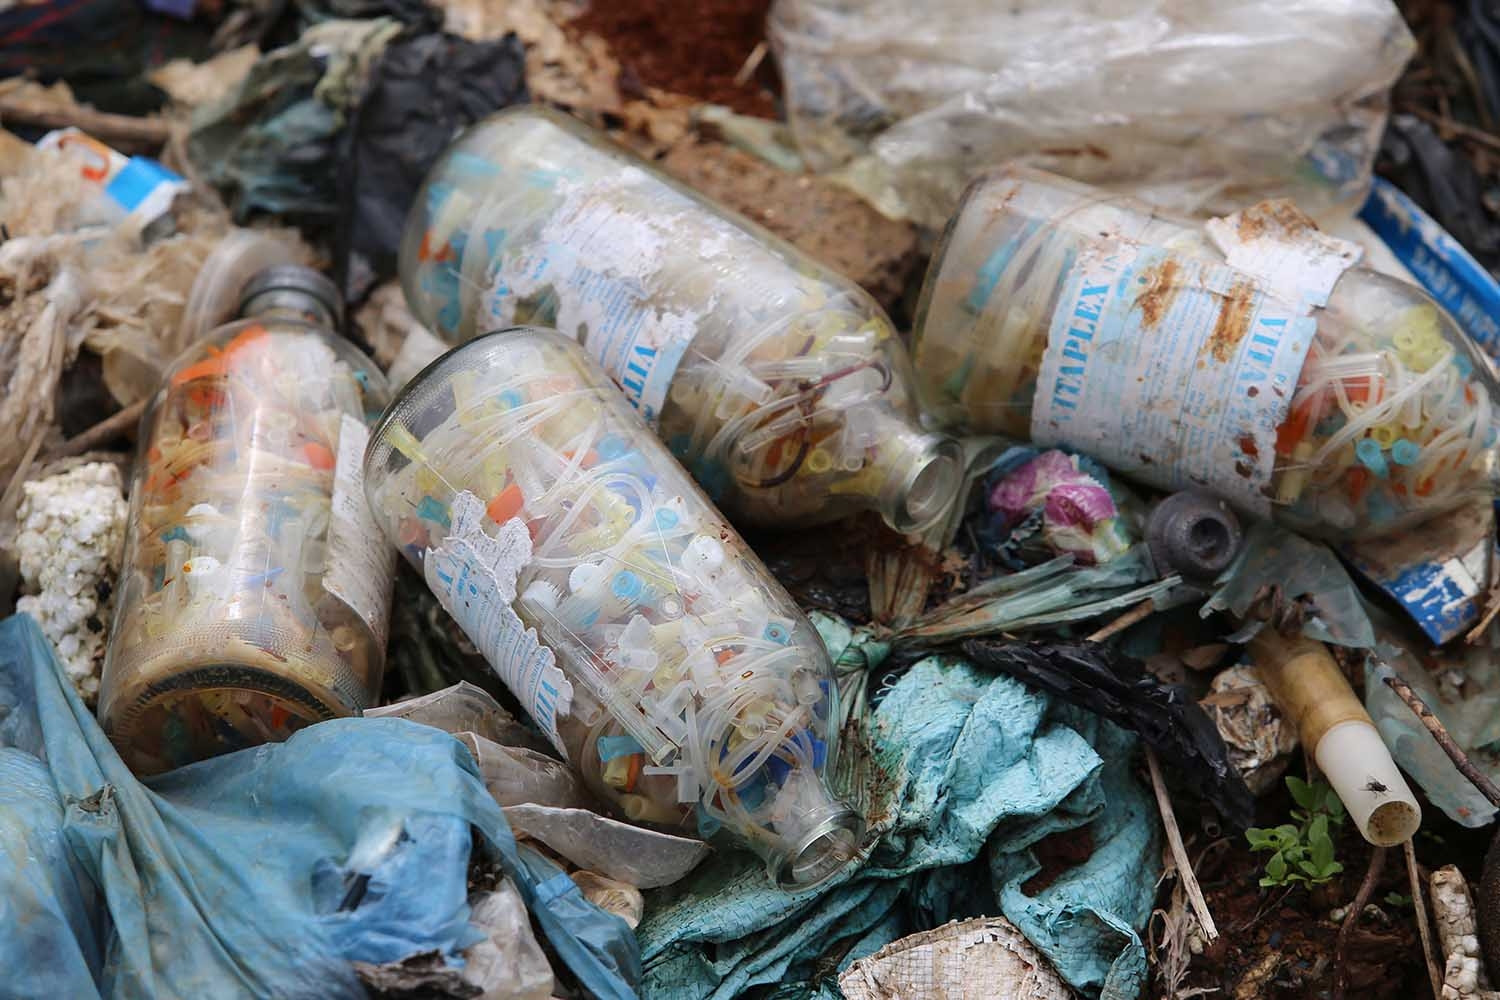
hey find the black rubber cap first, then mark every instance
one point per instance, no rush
(1193, 534)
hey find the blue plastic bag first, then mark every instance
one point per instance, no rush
(265, 872)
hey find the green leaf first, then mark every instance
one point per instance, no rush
(1310, 868)
(1334, 868)
(1334, 808)
(1276, 867)
(1289, 833)
(1266, 882)
(1396, 899)
(1305, 795)
(1320, 845)
(1260, 839)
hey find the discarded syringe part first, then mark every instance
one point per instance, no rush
(634, 625)
(1193, 534)
(1312, 693)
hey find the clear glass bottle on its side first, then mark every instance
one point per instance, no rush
(1246, 356)
(255, 586)
(632, 622)
(781, 384)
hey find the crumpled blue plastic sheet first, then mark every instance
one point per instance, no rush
(260, 873)
(967, 773)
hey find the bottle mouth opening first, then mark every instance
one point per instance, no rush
(822, 853)
(930, 490)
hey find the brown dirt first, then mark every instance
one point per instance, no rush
(1385, 958)
(1279, 945)
(1058, 853)
(827, 222)
(688, 48)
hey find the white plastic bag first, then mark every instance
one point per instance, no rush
(1198, 105)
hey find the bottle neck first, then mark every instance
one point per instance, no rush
(816, 838)
(916, 473)
(289, 303)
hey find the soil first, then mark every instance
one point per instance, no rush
(695, 49)
(1278, 944)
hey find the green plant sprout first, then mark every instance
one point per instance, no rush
(1302, 853)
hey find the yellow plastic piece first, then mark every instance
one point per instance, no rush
(1386, 435)
(1294, 480)
(405, 442)
(616, 773)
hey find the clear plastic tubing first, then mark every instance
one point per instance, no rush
(255, 586)
(1343, 402)
(634, 625)
(779, 383)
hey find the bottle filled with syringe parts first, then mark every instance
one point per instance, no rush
(1248, 356)
(256, 586)
(638, 630)
(779, 383)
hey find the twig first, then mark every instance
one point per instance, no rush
(149, 132)
(1493, 609)
(752, 63)
(1179, 852)
(1129, 618)
(1361, 900)
(1424, 930)
(104, 431)
(1435, 726)
(1457, 128)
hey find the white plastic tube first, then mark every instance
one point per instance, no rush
(1334, 727)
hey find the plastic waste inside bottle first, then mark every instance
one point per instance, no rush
(780, 384)
(1249, 357)
(255, 586)
(638, 630)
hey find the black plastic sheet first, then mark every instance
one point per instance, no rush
(424, 91)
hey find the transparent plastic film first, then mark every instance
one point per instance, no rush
(675, 674)
(780, 384)
(1285, 380)
(255, 589)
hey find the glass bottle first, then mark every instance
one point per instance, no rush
(256, 586)
(636, 627)
(1246, 356)
(780, 384)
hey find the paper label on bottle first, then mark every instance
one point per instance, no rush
(589, 272)
(361, 567)
(1284, 250)
(474, 577)
(1171, 368)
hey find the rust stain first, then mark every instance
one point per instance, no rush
(1233, 322)
(1276, 216)
(1087, 149)
(1161, 289)
(1248, 445)
(1253, 391)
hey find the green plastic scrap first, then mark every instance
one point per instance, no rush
(1053, 593)
(1303, 570)
(267, 144)
(952, 838)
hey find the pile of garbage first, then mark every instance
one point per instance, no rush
(488, 512)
